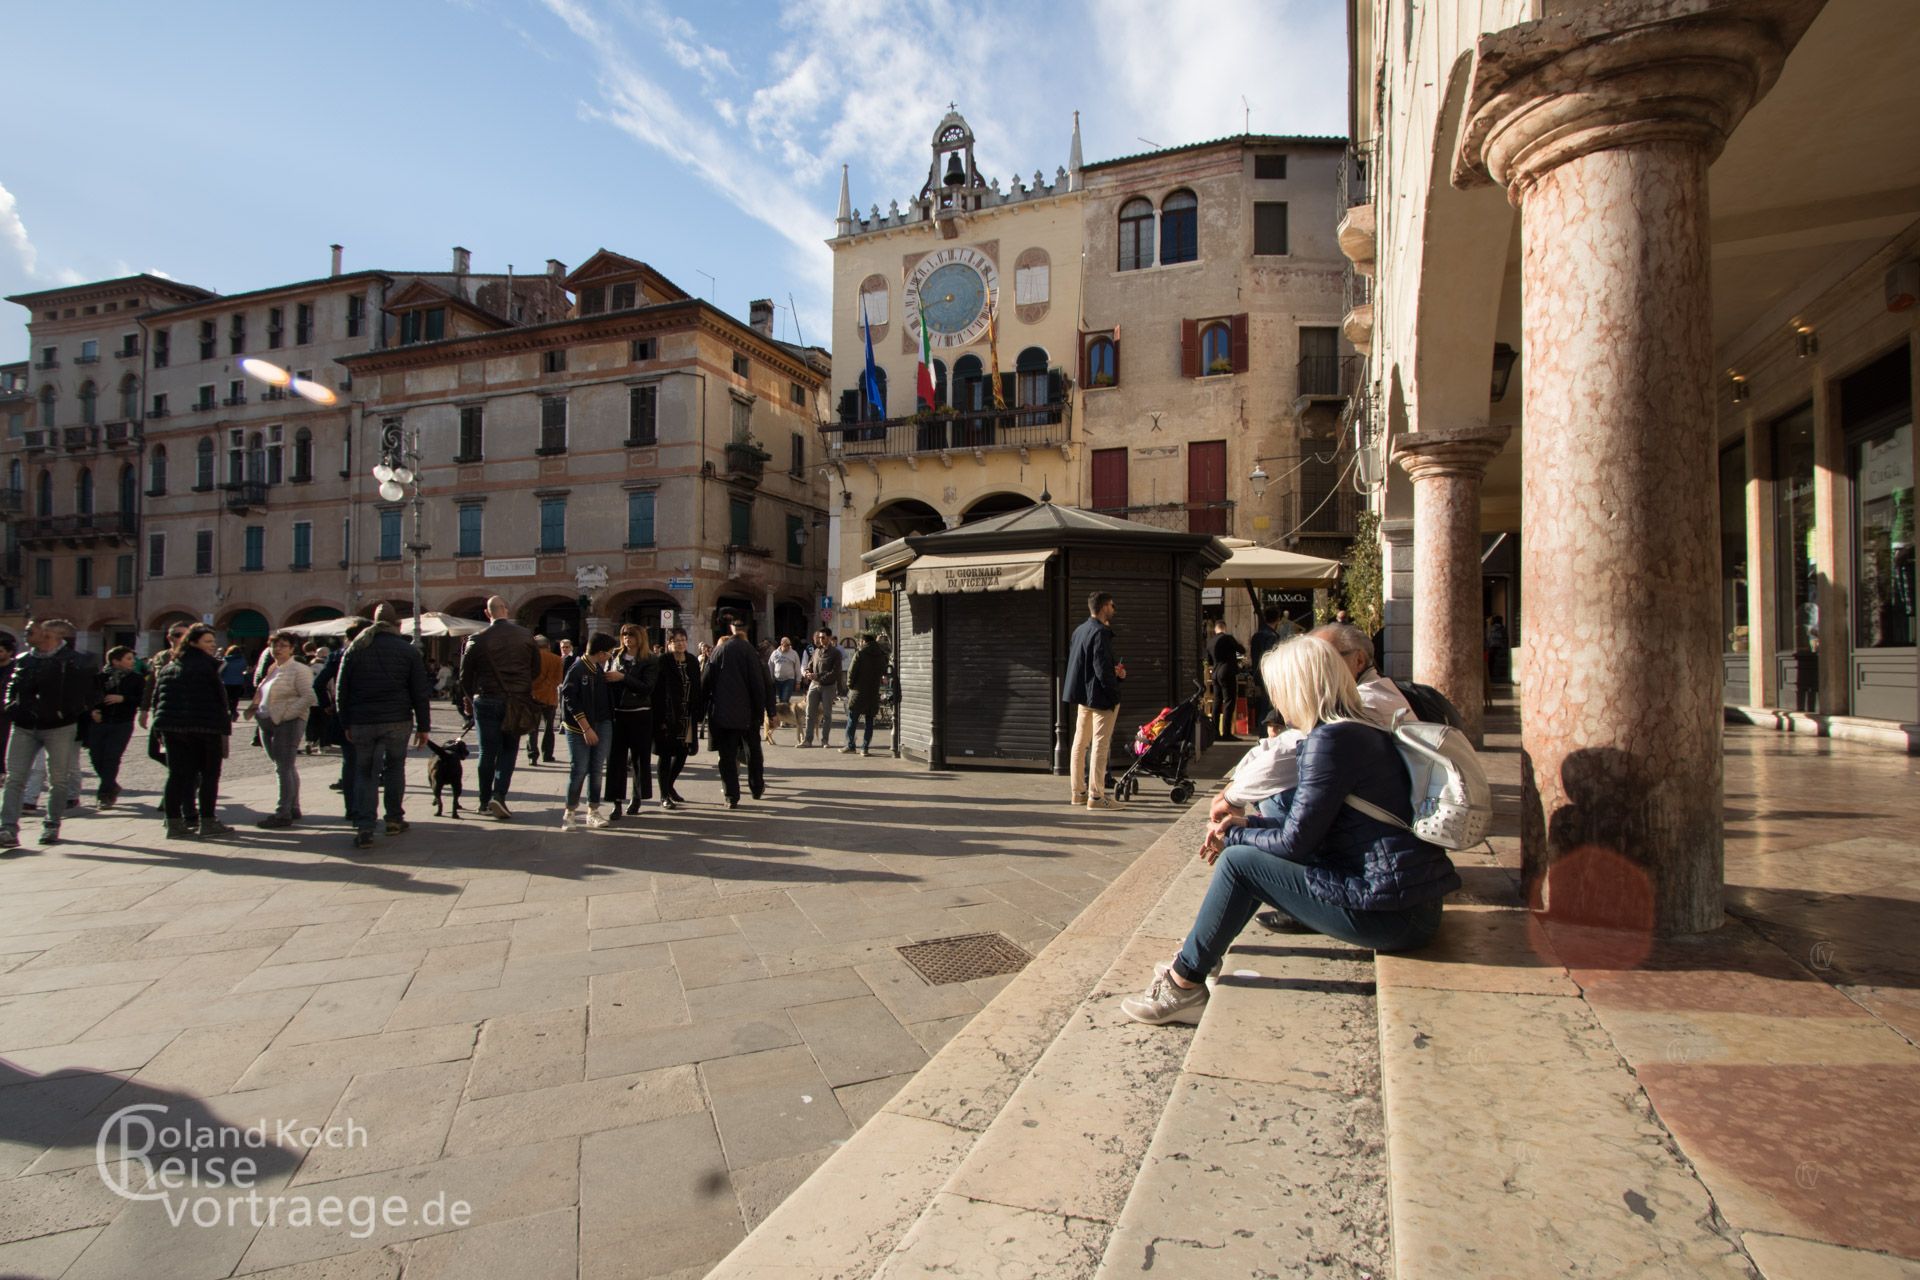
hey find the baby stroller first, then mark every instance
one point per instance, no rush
(1163, 747)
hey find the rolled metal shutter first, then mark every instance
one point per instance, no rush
(997, 678)
(913, 634)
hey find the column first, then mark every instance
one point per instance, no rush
(1449, 635)
(1832, 547)
(1602, 138)
(1763, 570)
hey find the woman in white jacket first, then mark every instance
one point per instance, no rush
(281, 704)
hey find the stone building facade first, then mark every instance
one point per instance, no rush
(1167, 330)
(1643, 308)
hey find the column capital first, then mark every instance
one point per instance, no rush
(1457, 451)
(1619, 75)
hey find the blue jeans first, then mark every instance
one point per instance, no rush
(497, 750)
(22, 747)
(852, 718)
(783, 691)
(380, 763)
(588, 762)
(1245, 877)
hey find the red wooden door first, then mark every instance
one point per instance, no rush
(1207, 486)
(1109, 479)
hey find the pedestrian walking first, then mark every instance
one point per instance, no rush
(784, 664)
(53, 686)
(1224, 653)
(676, 714)
(6, 723)
(235, 680)
(382, 692)
(1093, 689)
(631, 674)
(190, 715)
(282, 701)
(586, 703)
(739, 693)
(123, 689)
(320, 718)
(546, 692)
(824, 669)
(1264, 638)
(864, 678)
(497, 671)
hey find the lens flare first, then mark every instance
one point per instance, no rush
(314, 391)
(268, 372)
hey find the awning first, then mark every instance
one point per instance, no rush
(1274, 569)
(860, 590)
(987, 571)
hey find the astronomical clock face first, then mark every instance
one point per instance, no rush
(956, 287)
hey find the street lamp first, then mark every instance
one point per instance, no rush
(395, 476)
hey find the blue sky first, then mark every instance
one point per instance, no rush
(228, 144)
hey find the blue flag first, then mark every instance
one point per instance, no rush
(876, 394)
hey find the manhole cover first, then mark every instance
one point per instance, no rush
(962, 959)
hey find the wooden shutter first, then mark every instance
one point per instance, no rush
(1085, 342)
(1109, 479)
(1056, 387)
(1009, 389)
(1238, 327)
(1189, 348)
(849, 406)
(1116, 358)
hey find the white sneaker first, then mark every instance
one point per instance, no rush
(570, 820)
(1167, 1002)
(1102, 802)
(595, 818)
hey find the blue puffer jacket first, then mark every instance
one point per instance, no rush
(1352, 860)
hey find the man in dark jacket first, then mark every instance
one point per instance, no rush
(1224, 653)
(1264, 638)
(124, 689)
(864, 678)
(739, 693)
(500, 663)
(382, 691)
(824, 666)
(53, 687)
(1093, 688)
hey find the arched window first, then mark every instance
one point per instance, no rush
(83, 492)
(302, 455)
(1216, 348)
(256, 458)
(47, 397)
(157, 470)
(1136, 234)
(1030, 378)
(89, 396)
(46, 493)
(129, 397)
(970, 385)
(1103, 363)
(203, 463)
(1179, 228)
(129, 484)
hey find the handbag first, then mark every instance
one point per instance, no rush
(522, 714)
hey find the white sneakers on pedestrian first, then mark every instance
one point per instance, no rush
(1166, 1001)
(1102, 802)
(595, 818)
(571, 820)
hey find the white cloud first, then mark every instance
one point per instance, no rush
(14, 233)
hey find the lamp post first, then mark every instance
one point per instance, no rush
(397, 471)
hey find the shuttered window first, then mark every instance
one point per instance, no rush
(1109, 479)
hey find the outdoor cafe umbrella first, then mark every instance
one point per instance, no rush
(1269, 568)
(436, 625)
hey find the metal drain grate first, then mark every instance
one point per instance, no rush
(962, 959)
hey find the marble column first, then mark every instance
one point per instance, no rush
(1601, 124)
(1449, 635)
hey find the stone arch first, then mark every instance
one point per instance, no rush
(161, 619)
(471, 607)
(557, 617)
(998, 503)
(642, 605)
(310, 611)
(899, 517)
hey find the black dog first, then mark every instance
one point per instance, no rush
(446, 771)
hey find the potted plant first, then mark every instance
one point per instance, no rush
(1220, 366)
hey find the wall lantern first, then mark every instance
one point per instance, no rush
(1259, 480)
(1503, 359)
(1809, 341)
(1739, 389)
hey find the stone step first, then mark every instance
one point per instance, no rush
(892, 1195)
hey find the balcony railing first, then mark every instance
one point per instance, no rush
(34, 441)
(246, 495)
(231, 401)
(1320, 514)
(1034, 426)
(79, 439)
(77, 529)
(12, 501)
(1328, 377)
(129, 352)
(121, 435)
(1356, 176)
(84, 358)
(746, 462)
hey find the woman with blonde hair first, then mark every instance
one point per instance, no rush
(1334, 869)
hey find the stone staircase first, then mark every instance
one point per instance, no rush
(1053, 1137)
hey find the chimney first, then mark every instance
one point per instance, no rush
(336, 259)
(556, 269)
(760, 316)
(462, 261)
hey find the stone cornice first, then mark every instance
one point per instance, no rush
(1619, 75)
(1458, 451)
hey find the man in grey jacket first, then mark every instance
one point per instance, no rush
(825, 668)
(382, 691)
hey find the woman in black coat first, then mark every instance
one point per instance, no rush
(190, 713)
(677, 709)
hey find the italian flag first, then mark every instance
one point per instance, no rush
(924, 381)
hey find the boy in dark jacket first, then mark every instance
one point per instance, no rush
(381, 691)
(53, 687)
(124, 691)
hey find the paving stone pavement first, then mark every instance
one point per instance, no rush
(620, 1050)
